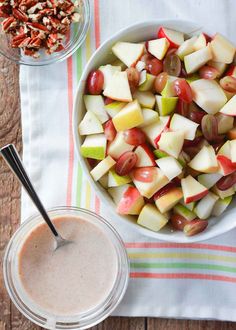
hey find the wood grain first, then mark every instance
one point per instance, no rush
(10, 132)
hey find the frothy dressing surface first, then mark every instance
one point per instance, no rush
(74, 278)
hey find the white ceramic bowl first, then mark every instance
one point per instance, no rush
(103, 55)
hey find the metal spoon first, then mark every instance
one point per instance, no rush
(13, 160)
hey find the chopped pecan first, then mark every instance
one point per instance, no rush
(19, 14)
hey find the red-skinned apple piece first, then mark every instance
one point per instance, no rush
(232, 71)
(145, 156)
(175, 38)
(192, 189)
(131, 202)
(226, 166)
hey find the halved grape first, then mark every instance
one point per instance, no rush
(144, 174)
(193, 143)
(209, 127)
(227, 181)
(153, 65)
(228, 83)
(160, 82)
(208, 72)
(195, 113)
(133, 78)
(134, 136)
(172, 65)
(183, 90)
(178, 221)
(95, 82)
(109, 130)
(126, 162)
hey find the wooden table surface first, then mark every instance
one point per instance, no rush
(10, 132)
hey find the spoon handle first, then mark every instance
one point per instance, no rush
(13, 160)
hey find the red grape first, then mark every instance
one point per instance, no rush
(209, 127)
(144, 174)
(183, 90)
(126, 163)
(133, 78)
(228, 83)
(182, 108)
(95, 82)
(193, 143)
(195, 113)
(153, 65)
(164, 190)
(195, 226)
(172, 65)
(109, 130)
(178, 221)
(107, 100)
(160, 82)
(134, 136)
(227, 181)
(208, 72)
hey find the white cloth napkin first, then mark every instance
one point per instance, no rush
(167, 280)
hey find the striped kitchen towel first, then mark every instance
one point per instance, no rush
(168, 280)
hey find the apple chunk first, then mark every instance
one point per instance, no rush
(94, 146)
(233, 151)
(229, 108)
(151, 218)
(167, 201)
(154, 131)
(102, 168)
(118, 146)
(131, 202)
(187, 126)
(118, 87)
(149, 117)
(196, 60)
(145, 156)
(225, 123)
(95, 104)
(209, 180)
(90, 125)
(222, 49)
(175, 38)
(186, 48)
(223, 193)
(108, 71)
(129, 53)
(169, 166)
(115, 180)
(145, 99)
(128, 117)
(205, 160)
(200, 42)
(221, 205)
(158, 47)
(204, 208)
(208, 95)
(172, 143)
(192, 189)
(166, 105)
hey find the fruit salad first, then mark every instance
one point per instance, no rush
(159, 130)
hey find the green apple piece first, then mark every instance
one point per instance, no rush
(225, 123)
(145, 99)
(205, 206)
(229, 108)
(104, 181)
(128, 117)
(117, 192)
(147, 85)
(182, 124)
(192, 77)
(115, 180)
(189, 206)
(113, 108)
(208, 95)
(151, 218)
(149, 117)
(196, 60)
(222, 49)
(186, 48)
(108, 71)
(160, 154)
(223, 193)
(166, 105)
(90, 124)
(118, 146)
(219, 66)
(221, 205)
(128, 52)
(95, 104)
(172, 143)
(209, 180)
(184, 212)
(168, 90)
(118, 87)
(102, 168)
(94, 146)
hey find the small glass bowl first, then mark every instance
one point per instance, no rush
(44, 318)
(74, 40)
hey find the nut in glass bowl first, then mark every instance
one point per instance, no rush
(78, 27)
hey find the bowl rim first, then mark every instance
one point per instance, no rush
(205, 235)
(67, 54)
